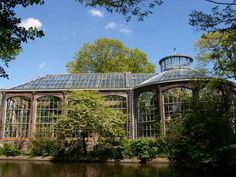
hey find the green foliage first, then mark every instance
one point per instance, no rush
(217, 45)
(69, 150)
(204, 140)
(43, 146)
(138, 8)
(109, 55)
(162, 145)
(87, 114)
(123, 150)
(102, 151)
(144, 149)
(9, 150)
(218, 49)
(220, 18)
(11, 34)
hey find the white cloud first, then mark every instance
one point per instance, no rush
(96, 13)
(42, 65)
(31, 22)
(110, 26)
(126, 30)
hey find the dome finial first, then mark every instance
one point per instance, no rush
(175, 51)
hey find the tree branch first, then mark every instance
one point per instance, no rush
(222, 3)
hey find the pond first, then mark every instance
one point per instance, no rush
(48, 169)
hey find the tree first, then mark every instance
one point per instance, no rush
(11, 34)
(109, 55)
(219, 49)
(128, 8)
(218, 43)
(205, 139)
(222, 18)
(87, 114)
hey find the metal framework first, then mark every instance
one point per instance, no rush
(48, 109)
(148, 115)
(17, 117)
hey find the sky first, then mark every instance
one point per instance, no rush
(68, 25)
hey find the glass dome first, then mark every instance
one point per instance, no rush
(174, 68)
(175, 61)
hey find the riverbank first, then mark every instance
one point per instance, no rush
(49, 158)
(26, 158)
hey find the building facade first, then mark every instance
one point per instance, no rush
(150, 100)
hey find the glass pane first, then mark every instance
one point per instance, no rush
(17, 117)
(48, 109)
(148, 115)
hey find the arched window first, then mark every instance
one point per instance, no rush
(17, 117)
(176, 101)
(48, 109)
(148, 115)
(116, 102)
(211, 99)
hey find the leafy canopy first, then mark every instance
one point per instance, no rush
(86, 111)
(109, 55)
(219, 49)
(11, 34)
(127, 8)
(218, 43)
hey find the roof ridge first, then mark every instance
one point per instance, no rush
(96, 73)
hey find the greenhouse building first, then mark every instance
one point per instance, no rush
(151, 101)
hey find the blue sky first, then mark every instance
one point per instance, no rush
(68, 25)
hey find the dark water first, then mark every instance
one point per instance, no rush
(48, 169)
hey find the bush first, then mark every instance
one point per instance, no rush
(9, 150)
(205, 143)
(69, 150)
(43, 146)
(162, 146)
(144, 149)
(123, 150)
(102, 152)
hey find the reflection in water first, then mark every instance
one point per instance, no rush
(48, 169)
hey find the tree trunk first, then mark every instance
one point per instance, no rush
(84, 146)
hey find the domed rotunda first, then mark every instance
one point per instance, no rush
(166, 96)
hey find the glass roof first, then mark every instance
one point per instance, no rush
(173, 74)
(85, 81)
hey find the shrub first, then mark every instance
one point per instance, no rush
(9, 150)
(123, 150)
(102, 152)
(69, 150)
(43, 146)
(162, 146)
(144, 149)
(206, 143)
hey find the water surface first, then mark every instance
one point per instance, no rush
(48, 169)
